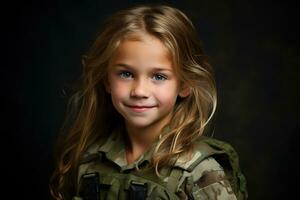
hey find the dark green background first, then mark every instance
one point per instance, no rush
(251, 44)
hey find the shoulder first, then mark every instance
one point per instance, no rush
(208, 181)
(210, 170)
(204, 148)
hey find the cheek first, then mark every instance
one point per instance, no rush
(168, 100)
(118, 89)
(167, 95)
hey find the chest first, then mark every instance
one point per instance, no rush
(104, 180)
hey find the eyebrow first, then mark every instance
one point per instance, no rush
(154, 68)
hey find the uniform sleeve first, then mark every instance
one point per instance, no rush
(207, 182)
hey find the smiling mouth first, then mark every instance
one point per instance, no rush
(139, 109)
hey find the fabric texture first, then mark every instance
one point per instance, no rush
(211, 172)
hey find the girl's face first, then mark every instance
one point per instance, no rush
(142, 82)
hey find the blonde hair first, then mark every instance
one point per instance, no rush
(190, 116)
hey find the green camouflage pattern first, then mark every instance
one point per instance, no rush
(200, 176)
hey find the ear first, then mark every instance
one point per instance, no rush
(185, 91)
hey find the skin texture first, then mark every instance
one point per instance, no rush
(143, 90)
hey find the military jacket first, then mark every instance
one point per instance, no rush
(106, 174)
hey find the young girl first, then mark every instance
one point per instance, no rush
(138, 121)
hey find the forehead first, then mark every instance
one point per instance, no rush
(142, 50)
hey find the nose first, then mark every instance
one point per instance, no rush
(140, 89)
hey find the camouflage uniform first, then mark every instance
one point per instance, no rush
(196, 177)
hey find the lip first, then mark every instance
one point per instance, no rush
(139, 108)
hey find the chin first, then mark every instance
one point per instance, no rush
(139, 123)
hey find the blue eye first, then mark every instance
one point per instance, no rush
(159, 77)
(125, 74)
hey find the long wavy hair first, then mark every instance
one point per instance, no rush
(92, 113)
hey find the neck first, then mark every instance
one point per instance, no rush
(141, 138)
